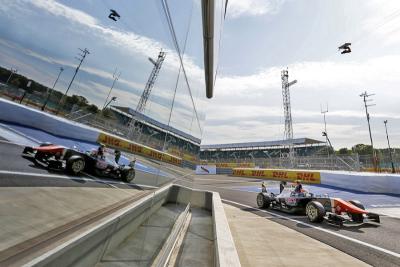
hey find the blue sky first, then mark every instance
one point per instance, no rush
(262, 37)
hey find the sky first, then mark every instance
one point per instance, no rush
(37, 37)
(259, 39)
(262, 37)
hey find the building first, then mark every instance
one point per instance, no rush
(260, 150)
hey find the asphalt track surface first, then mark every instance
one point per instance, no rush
(375, 244)
(18, 171)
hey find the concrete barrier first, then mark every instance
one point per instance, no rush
(225, 250)
(87, 248)
(362, 181)
(30, 117)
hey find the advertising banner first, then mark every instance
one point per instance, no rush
(206, 169)
(309, 177)
(231, 165)
(125, 145)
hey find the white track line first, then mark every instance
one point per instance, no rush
(99, 180)
(392, 253)
(71, 178)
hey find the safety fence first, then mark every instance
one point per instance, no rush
(353, 162)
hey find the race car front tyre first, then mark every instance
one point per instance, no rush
(128, 175)
(315, 211)
(75, 165)
(263, 201)
(357, 217)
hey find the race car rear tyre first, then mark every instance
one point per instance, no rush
(357, 217)
(263, 201)
(128, 175)
(75, 165)
(315, 211)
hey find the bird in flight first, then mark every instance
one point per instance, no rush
(114, 15)
(345, 48)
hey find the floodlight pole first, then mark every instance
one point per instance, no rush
(326, 137)
(116, 77)
(390, 150)
(54, 85)
(114, 98)
(365, 95)
(85, 52)
(11, 74)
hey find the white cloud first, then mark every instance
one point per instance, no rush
(129, 41)
(383, 21)
(249, 108)
(241, 8)
(58, 9)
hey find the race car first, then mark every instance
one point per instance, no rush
(75, 161)
(317, 208)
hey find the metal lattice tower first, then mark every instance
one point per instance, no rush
(287, 111)
(150, 83)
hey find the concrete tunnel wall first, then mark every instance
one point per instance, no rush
(88, 248)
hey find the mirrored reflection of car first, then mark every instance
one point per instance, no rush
(317, 208)
(75, 162)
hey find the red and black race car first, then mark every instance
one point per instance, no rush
(317, 208)
(75, 161)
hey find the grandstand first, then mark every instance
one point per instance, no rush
(153, 133)
(259, 150)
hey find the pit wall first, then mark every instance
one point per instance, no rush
(88, 248)
(30, 117)
(357, 181)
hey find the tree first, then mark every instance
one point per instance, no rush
(343, 151)
(77, 100)
(362, 149)
(93, 108)
(106, 113)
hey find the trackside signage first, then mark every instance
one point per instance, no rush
(230, 165)
(135, 148)
(281, 175)
(206, 169)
